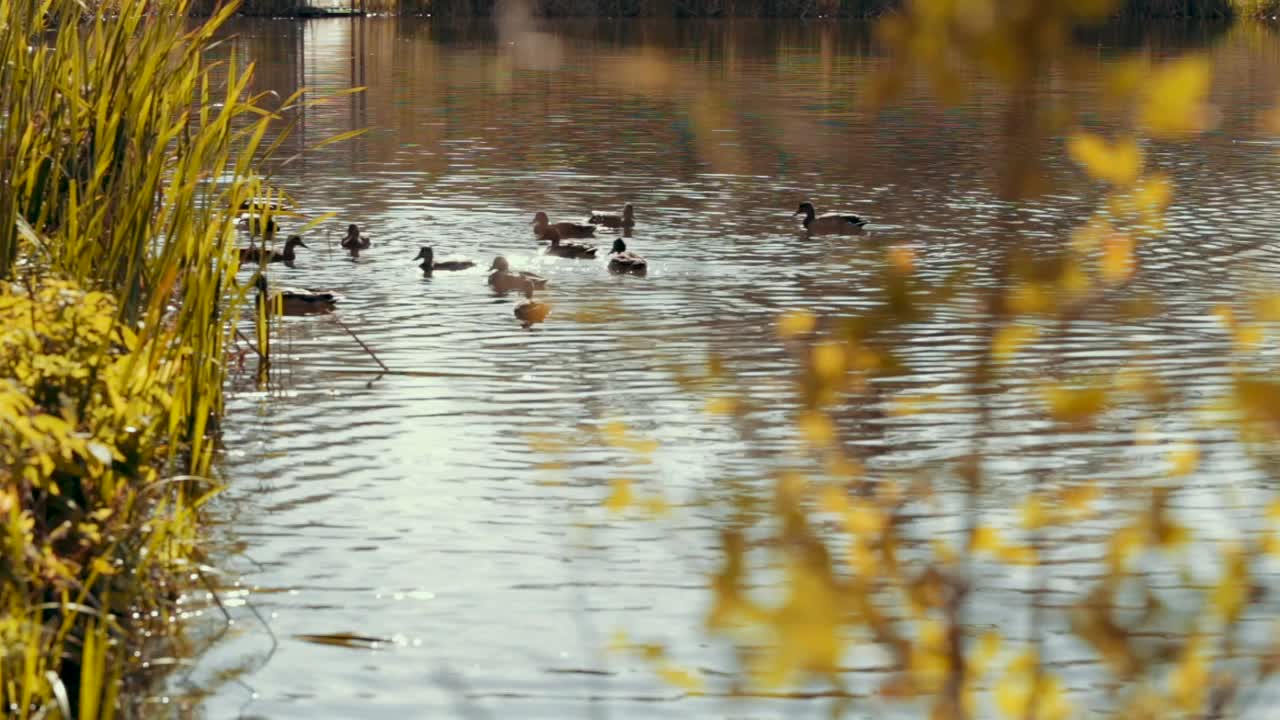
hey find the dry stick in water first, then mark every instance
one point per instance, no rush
(367, 349)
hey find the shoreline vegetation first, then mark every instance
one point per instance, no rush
(847, 9)
(122, 149)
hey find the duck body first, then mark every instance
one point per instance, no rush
(829, 222)
(297, 301)
(566, 249)
(256, 224)
(625, 219)
(566, 230)
(625, 262)
(257, 254)
(502, 280)
(530, 311)
(429, 265)
(354, 242)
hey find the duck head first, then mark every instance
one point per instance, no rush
(500, 264)
(293, 242)
(628, 212)
(618, 246)
(541, 220)
(426, 255)
(806, 209)
(260, 282)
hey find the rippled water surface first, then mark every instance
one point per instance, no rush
(412, 506)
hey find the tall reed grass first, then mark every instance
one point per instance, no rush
(123, 147)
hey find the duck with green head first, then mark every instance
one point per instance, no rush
(566, 229)
(566, 249)
(254, 254)
(826, 223)
(625, 262)
(625, 219)
(503, 280)
(427, 256)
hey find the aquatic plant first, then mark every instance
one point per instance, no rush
(125, 149)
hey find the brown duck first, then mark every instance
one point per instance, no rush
(427, 256)
(354, 242)
(296, 301)
(625, 262)
(614, 220)
(256, 254)
(828, 222)
(566, 249)
(503, 280)
(567, 230)
(530, 311)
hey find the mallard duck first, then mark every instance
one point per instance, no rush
(354, 242)
(530, 311)
(254, 224)
(275, 205)
(624, 262)
(829, 222)
(566, 249)
(566, 229)
(296, 301)
(614, 220)
(427, 256)
(256, 254)
(503, 280)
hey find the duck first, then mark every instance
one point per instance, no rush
(354, 242)
(625, 262)
(566, 249)
(275, 205)
(253, 254)
(296, 301)
(427, 256)
(566, 229)
(257, 225)
(503, 280)
(530, 311)
(614, 220)
(829, 222)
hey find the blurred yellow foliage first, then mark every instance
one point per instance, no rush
(1118, 162)
(1174, 98)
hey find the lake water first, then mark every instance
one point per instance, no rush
(419, 506)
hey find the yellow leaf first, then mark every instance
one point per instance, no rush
(985, 539)
(621, 496)
(1075, 405)
(1184, 460)
(1008, 340)
(1079, 498)
(817, 428)
(1118, 262)
(1189, 681)
(1018, 554)
(1035, 513)
(721, 406)
(829, 362)
(795, 323)
(102, 567)
(1013, 691)
(681, 678)
(902, 258)
(1118, 163)
(656, 506)
(1273, 510)
(984, 654)
(1248, 336)
(1173, 105)
(1234, 587)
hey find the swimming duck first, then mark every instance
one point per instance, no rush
(354, 242)
(614, 220)
(256, 254)
(566, 229)
(530, 311)
(829, 222)
(566, 249)
(296, 301)
(427, 256)
(503, 280)
(624, 262)
(255, 225)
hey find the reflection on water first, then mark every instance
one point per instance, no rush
(411, 507)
